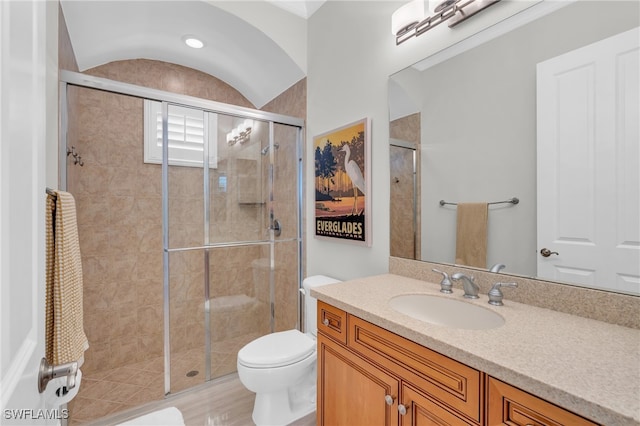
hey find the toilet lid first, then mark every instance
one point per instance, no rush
(277, 349)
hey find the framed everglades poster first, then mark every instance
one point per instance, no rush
(343, 183)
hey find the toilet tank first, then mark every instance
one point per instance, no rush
(310, 303)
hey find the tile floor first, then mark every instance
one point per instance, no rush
(113, 391)
(222, 401)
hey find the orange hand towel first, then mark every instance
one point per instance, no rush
(471, 234)
(65, 337)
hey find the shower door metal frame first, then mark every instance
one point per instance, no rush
(70, 78)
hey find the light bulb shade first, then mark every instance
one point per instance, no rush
(247, 124)
(432, 5)
(407, 15)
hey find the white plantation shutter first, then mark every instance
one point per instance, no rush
(186, 135)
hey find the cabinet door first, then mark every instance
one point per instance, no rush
(422, 411)
(514, 407)
(351, 392)
(453, 384)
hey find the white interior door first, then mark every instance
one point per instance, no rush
(27, 121)
(588, 165)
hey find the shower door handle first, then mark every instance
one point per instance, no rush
(275, 225)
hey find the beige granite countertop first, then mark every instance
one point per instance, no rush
(586, 366)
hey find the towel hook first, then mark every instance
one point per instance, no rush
(77, 159)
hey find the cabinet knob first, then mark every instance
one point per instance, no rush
(325, 321)
(402, 410)
(389, 399)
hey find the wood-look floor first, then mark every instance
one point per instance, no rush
(223, 401)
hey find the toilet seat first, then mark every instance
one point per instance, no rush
(277, 350)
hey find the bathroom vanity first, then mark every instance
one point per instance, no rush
(379, 366)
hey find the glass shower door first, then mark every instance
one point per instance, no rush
(233, 243)
(286, 158)
(239, 265)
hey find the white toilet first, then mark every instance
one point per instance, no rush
(281, 367)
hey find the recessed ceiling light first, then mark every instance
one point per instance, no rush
(191, 41)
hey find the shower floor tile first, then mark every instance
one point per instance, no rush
(109, 392)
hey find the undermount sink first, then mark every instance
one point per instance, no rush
(446, 312)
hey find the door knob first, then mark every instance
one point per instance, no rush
(545, 252)
(389, 399)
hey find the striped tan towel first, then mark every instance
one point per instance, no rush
(471, 234)
(65, 337)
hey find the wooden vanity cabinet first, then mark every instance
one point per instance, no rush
(376, 377)
(368, 376)
(511, 406)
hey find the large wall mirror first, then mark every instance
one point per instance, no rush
(472, 122)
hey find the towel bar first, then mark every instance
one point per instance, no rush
(513, 200)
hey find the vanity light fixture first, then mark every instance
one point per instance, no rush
(240, 134)
(407, 17)
(193, 42)
(409, 20)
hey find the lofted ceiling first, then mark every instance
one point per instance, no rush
(257, 47)
(302, 8)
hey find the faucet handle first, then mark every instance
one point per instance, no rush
(497, 267)
(495, 295)
(445, 284)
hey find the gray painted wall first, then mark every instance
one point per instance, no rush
(351, 54)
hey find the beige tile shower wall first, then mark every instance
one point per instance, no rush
(66, 57)
(172, 78)
(401, 221)
(120, 222)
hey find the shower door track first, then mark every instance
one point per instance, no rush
(67, 78)
(104, 84)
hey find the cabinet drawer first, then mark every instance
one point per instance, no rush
(421, 410)
(453, 384)
(511, 406)
(332, 322)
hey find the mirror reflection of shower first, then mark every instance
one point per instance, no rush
(265, 150)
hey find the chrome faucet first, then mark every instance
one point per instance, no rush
(445, 284)
(497, 267)
(495, 295)
(471, 289)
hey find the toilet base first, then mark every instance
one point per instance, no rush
(284, 406)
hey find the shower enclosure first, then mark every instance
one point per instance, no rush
(189, 217)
